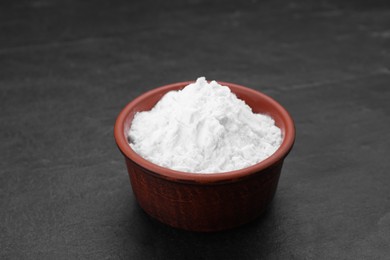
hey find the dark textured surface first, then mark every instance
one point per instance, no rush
(68, 67)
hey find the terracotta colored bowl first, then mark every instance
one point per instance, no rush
(204, 202)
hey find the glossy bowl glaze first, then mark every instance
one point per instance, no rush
(205, 202)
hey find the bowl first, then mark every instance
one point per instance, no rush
(204, 202)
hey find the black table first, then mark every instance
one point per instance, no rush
(68, 67)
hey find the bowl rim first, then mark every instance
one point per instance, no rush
(204, 178)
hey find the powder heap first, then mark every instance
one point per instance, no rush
(203, 128)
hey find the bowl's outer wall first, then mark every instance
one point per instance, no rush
(203, 208)
(205, 205)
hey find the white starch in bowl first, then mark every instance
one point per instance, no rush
(203, 128)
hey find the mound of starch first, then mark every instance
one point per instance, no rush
(203, 128)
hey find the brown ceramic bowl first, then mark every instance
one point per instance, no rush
(205, 202)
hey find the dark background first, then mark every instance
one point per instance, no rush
(67, 68)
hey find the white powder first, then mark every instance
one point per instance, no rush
(204, 128)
